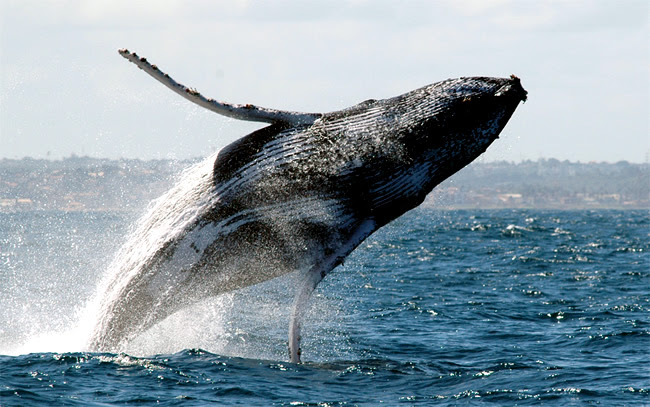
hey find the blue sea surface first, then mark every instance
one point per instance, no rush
(467, 307)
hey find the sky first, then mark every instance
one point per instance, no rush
(64, 89)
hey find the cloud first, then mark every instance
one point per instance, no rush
(314, 56)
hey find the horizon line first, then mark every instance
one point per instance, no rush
(74, 156)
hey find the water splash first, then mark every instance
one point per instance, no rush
(166, 218)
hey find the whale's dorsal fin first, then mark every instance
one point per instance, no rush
(246, 112)
(243, 150)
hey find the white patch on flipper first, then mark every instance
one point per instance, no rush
(314, 276)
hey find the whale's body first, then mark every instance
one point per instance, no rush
(300, 195)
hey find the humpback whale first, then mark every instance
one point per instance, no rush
(297, 195)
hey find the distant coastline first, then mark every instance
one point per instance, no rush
(546, 184)
(91, 184)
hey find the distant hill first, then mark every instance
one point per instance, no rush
(90, 184)
(547, 184)
(83, 183)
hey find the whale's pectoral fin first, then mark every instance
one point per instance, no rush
(242, 112)
(309, 283)
(314, 276)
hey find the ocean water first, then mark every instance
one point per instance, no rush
(499, 307)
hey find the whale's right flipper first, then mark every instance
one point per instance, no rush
(313, 277)
(242, 112)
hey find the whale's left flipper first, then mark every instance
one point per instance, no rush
(242, 112)
(311, 279)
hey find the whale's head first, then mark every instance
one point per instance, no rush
(451, 123)
(406, 145)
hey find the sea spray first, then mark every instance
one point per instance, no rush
(50, 265)
(166, 217)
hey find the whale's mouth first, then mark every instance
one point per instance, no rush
(513, 88)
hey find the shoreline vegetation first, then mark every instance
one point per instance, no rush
(95, 184)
